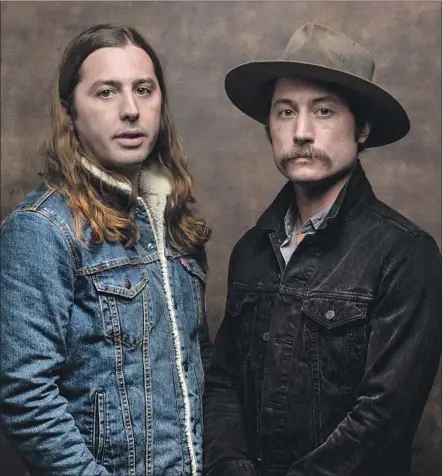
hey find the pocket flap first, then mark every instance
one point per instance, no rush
(331, 313)
(125, 282)
(238, 298)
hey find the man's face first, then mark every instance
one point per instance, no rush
(312, 132)
(118, 107)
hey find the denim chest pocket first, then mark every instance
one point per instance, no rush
(122, 297)
(334, 336)
(332, 313)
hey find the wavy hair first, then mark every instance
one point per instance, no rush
(110, 217)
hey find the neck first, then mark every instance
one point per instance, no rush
(311, 200)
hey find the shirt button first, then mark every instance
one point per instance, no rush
(265, 336)
(128, 284)
(137, 210)
(330, 315)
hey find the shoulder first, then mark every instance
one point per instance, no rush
(41, 218)
(407, 244)
(44, 202)
(393, 221)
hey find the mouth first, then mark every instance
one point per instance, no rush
(130, 135)
(297, 158)
(130, 138)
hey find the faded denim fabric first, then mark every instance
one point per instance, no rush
(89, 374)
(323, 367)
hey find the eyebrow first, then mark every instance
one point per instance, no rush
(117, 84)
(289, 102)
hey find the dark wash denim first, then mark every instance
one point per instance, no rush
(89, 371)
(323, 367)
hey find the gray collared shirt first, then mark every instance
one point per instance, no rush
(309, 227)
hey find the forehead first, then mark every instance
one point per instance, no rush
(117, 63)
(303, 88)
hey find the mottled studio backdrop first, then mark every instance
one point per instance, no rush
(235, 178)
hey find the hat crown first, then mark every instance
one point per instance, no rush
(319, 45)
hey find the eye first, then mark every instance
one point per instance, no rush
(143, 91)
(324, 112)
(105, 93)
(286, 113)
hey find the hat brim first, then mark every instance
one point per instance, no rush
(245, 86)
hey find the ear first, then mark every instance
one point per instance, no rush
(364, 133)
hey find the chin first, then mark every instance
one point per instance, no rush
(305, 175)
(319, 181)
(132, 159)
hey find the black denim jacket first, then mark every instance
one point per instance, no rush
(324, 367)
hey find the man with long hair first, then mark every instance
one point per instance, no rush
(104, 337)
(332, 333)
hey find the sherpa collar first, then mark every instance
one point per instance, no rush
(153, 179)
(154, 186)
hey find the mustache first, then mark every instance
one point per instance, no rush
(308, 152)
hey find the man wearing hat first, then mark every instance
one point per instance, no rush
(331, 338)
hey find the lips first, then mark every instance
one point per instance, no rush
(130, 135)
(130, 139)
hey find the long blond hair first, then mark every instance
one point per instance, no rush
(93, 204)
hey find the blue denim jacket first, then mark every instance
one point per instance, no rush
(101, 368)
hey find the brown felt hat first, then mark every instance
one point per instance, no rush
(319, 53)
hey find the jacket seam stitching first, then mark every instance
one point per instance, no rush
(52, 218)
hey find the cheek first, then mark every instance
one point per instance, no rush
(281, 136)
(92, 128)
(337, 136)
(150, 113)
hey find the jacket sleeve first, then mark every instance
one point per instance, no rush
(37, 293)
(404, 349)
(225, 444)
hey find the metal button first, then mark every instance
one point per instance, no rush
(330, 315)
(265, 336)
(137, 210)
(128, 284)
(150, 246)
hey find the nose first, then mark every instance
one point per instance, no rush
(303, 129)
(129, 110)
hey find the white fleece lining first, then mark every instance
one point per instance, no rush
(154, 188)
(107, 178)
(156, 215)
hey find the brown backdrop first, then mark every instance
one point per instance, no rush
(235, 178)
